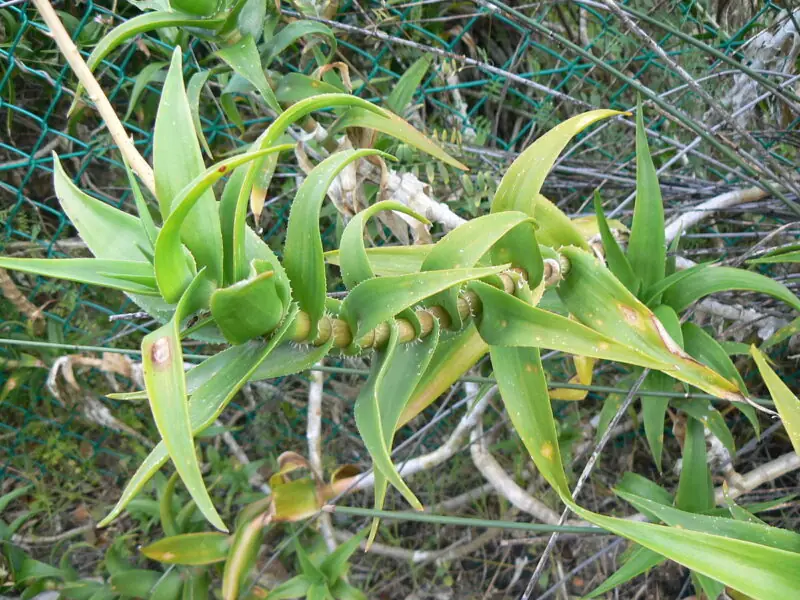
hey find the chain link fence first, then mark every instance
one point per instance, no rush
(497, 81)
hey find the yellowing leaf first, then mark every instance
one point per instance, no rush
(785, 401)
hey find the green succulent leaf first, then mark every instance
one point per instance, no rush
(242, 556)
(647, 250)
(376, 300)
(702, 282)
(243, 58)
(162, 361)
(616, 259)
(335, 565)
(785, 400)
(303, 258)
(654, 411)
(757, 533)
(294, 87)
(108, 232)
(392, 125)
(403, 91)
(296, 587)
(177, 163)
(633, 483)
(249, 308)
(394, 373)
(193, 91)
(212, 385)
(234, 207)
(190, 549)
(509, 321)
(520, 377)
(782, 257)
(710, 417)
(760, 571)
(135, 583)
(355, 265)
(149, 74)
(127, 276)
(145, 218)
(639, 561)
(172, 271)
(524, 178)
(465, 246)
(456, 353)
(390, 260)
(519, 189)
(695, 490)
(598, 299)
(294, 32)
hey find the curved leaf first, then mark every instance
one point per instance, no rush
(190, 549)
(464, 247)
(600, 301)
(213, 385)
(647, 250)
(193, 90)
(509, 321)
(785, 401)
(524, 178)
(390, 260)
(639, 561)
(759, 571)
(249, 308)
(701, 346)
(520, 377)
(616, 259)
(403, 91)
(707, 281)
(695, 490)
(294, 87)
(237, 214)
(456, 353)
(243, 58)
(147, 75)
(138, 25)
(177, 161)
(376, 300)
(757, 533)
(396, 371)
(392, 125)
(303, 256)
(172, 271)
(162, 367)
(293, 32)
(355, 265)
(124, 275)
(783, 257)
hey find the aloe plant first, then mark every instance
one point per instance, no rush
(425, 314)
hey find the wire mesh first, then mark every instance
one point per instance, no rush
(496, 83)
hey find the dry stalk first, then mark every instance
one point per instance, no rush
(96, 95)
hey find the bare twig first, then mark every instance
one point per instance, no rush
(759, 476)
(38, 540)
(313, 435)
(96, 95)
(447, 450)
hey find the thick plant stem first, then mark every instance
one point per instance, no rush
(84, 74)
(469, 305)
